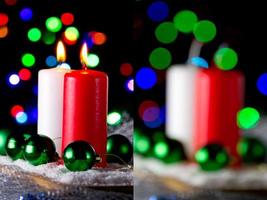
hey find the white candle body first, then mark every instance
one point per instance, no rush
(50, 104)
(180, 89)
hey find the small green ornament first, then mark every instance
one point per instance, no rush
(14, 146)
(79, 156)
(212, 157)
(251, 150)
(4, 133)
(167, 150)
(39, 150)
(120, 146)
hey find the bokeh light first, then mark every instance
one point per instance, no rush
(114, 118)
(166, 32)
(99, 38)
(51, 61)
(160, 58)
(3, 31)
(15, 110)
(262, 84)
(126, 69)
(10, 2)
(34, 34)
(145, 105)
(67, 18)
(3, 19)
(248, 118)
(14, 79)
(25, 74)
(93, 60)
(199, 62)
(53, 24)
(26, 14)
(158, 11)
(185, 20)
(225, 58)
(65, 66)
(204, 31)
(49, 38)
(28, 59)
(129, 85)
(71, 35)
(145, 78)
(21, 117)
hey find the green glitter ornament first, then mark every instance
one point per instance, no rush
(39, 150)
(119, 146)
(251, 150)
(212, 157)
(4, 133)
(80, 156)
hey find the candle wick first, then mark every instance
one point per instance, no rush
(84, 67)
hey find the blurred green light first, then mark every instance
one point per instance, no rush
(53, 24)
(72, 33)
(226, 58)
(204, 31)
(185, 20)
(142, 144)
(161, 149)
(34, 34)
(49, 38)
(93, 60)
(114, 118)
(202, 156)
(248, 118)
(166, 32)
(28, 60)
(160, 58)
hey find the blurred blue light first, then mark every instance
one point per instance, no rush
(32, 115)
(199, 62)
(35, 89)
(21, 117)
(26, 14)
(146, 78)
(51, 61)
(154, 124)
(262, 84)
(158, 11)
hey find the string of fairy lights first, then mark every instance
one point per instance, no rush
(47, 32)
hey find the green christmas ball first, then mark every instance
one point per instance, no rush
(142, 144)
(167, 150)
(4, 133)
(79, 156)
(251, 150)
(119, 147)
(14, 146)
(212, 157)
(39, 150)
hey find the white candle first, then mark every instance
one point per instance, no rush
(180, 104)
(50, 100)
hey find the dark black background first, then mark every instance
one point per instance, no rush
(111, 17)
(240, 24)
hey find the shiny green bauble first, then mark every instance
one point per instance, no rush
(79, 156)
(251, 150)
(39, 150)
(14, 146)
(4, 133)
(212, 157)
(167, 150)
(119, 148)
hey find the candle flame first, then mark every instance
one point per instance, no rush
(84, 55)
(61, 52)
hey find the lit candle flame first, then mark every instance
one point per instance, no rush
(84, 56)
(61, 52)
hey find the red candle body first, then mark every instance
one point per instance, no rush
(85, 105)
(219, 96)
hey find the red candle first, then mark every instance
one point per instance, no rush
(85, 107)
(219, 96)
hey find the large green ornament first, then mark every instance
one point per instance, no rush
(14, 146)
(79, 156)
(39, 150)
(212, 157)
(4, 133)
(251, 150)
(119, 148)
(167, 150)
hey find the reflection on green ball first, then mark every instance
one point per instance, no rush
(4, 133)
(14, 146)
(212, 157)
(79, 156)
